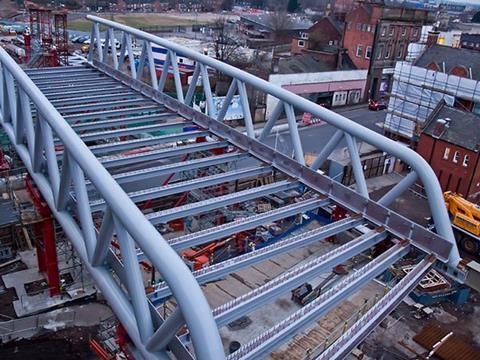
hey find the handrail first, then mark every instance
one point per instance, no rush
(194, 306)
(290, 101)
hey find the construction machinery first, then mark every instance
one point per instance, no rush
(465, 218)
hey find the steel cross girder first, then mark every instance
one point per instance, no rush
(286, 329)
(217, 271)
(359, 331)
(188, 185)
(299, 275)
(218, 202)
(121, 160)
(250, 222)
(147, 173)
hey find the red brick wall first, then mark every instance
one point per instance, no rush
(452, 176)
(354, 37)
(321, 33)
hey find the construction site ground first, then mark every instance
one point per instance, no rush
(63, 333)
(402, 325)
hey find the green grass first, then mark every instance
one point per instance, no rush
(139, 21)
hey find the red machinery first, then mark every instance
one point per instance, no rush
(45, 239)
(49, 27)
(201, 257)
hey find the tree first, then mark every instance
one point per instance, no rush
(292, 6)
(279, 22)
(227, 5)
(224, 45)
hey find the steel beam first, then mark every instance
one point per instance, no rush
(106, 89)
(138, 101)
(77, 86)
(199, 207)
(147, 141)
(148, 173)
(105, 124)
(219, 270)
(93, 136)
(112, 113)
(297, 276)
(118, 160)
(398, 189)
(282, 332)
(94, 99)
(66, 80)
(250, 222)
(188, 185)
(360, 330)
(57, 71)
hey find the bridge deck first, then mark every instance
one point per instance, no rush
(222, 187)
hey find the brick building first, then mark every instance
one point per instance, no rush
(470, 41)
(450, 143)
(322, 41)
(377, 36)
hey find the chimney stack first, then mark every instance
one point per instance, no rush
(432, 37)
(439, 127)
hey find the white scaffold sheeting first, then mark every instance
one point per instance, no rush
(416, 92)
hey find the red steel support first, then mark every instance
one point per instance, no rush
(45, 239)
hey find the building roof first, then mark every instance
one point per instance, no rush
(451, 57)
(461, 127)
(8, 215)
(301, 64)
(306, 63)
(265, 20)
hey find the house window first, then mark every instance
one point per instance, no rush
(359, 50)
(368, 52)
(384, 30)
(415, 32)
(456, 155)
(349, 25)
(404, 30)
(391, 31)
(304, 35)
(400, 52)
(364, 27)
(465, 160)
(380, 52)
(369, 28)
(359, 27)
(446, 154)
(301, 43)
(388, 52)
(330, 42)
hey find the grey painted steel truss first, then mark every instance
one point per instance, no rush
(69, 125)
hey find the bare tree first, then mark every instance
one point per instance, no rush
(279, 22)
(224, 44)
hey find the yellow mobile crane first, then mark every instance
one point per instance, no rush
(465, 218)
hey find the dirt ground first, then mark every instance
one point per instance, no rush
(68, 344)
(401, 325)
(9, 296)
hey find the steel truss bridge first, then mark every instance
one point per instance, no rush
(76, 130)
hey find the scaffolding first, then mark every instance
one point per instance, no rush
(416, 91)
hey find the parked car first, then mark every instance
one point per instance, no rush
(376, 105)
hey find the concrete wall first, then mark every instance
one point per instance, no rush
(307, 83)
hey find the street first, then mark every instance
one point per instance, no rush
(314, 137)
